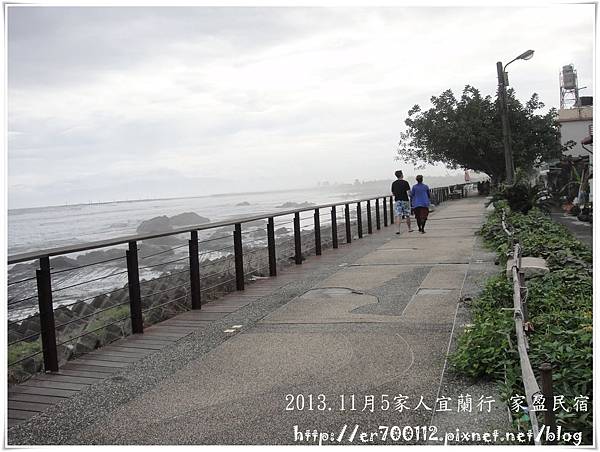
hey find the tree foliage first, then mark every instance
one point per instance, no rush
(467, 133)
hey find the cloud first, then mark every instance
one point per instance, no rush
(273, 96)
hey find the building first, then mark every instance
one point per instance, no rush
(576, 124)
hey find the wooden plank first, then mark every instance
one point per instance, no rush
(134, 342)
(20, 414)
(190, 323)
(142, 346)
(27, 406)
(176, 329)
(113, 359)
(159, 333)
(151, 339)
(13, 422)
(94, 362)
(67, 379)
(203, 315)
(34, 398)
(85, 367)
(208, 308)
(140, 351)
(84, 374)
(239, 304)
(120, 354)
(41, 391)
(55, 384)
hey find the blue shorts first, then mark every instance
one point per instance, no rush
(402, 209)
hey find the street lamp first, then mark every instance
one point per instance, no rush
(502, 84)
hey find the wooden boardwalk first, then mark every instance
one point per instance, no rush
(47, 389)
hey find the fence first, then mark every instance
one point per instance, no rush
(183, 283)
(522, 327)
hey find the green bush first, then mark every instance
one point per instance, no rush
(560, 310)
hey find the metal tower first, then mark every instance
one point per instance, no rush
(569, 90)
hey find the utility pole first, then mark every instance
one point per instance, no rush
(508, 160)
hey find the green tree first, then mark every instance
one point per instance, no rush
(467, 133)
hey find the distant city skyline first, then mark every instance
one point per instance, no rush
(110, 103)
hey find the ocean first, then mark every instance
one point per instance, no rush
(37, 229)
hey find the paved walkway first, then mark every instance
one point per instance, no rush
(582, 231)
(374, 318)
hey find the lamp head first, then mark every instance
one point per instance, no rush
(526, 55)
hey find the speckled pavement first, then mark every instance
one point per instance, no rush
(374, 321)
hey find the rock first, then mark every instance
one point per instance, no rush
(243, 203)
(147, 248)
(187, 219)
(62, 262)
(86, 344)
(100, 302)
(152, 317)
(81, 308)
(32, 365)
(16, 374)
(14, 336)
(490, 208)
(156, 224)
(531, 266)
(109, 334)
(64, 353)
(62, 315)
(259, 233)
(295, 205)
(282, 231)
(30, 324)
(102, 255)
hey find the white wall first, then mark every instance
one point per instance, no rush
(576, 131)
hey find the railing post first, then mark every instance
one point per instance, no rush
(135, 300)
(369, 220)
(359, 219)
(271, 247)
(523, 291)
(391, 210)
(47, 326)
(334, 230)
(377, 216)
(384, 205)
(238, 251)
(348, 226)
(195, 271)
(297, 239)
(548, 393)
(317, 223)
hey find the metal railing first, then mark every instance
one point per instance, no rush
(522, 328)
(242, 263)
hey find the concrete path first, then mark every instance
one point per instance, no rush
(581, 230)
(376, 324)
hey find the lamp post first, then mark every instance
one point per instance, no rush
(502, 84)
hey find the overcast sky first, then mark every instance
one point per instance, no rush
(110, 103)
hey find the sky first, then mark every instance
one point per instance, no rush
(111, 103)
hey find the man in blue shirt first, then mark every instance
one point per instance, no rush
(419, 195)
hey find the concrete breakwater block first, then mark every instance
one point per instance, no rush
(531, 266)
